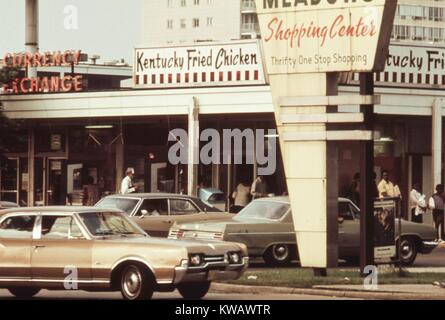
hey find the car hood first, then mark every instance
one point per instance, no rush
(192, 246)
(219, 226)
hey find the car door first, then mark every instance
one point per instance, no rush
(152, 216)
(348, 230)
(60, 249)
(15, 246)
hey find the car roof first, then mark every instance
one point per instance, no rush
(286, 199)
(59, 209)
(151, 195)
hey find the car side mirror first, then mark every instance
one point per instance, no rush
(341, 220)
(144, 213)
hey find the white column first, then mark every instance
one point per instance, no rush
(193, 147)
(119, 163)
(32, 31)
(437, 142)
(31, 173)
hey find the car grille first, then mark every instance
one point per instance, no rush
(199, 235)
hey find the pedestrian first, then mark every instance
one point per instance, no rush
(436, 203)
(259, 188)
(417, 203)
(386, 188)
(354, 190)
(127, 183)
(241, 196)
(90, 193)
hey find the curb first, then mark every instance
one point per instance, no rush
(340, 293)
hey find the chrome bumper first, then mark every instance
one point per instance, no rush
(428, 246)
(211, 271)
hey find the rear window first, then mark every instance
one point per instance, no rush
(126, 205)
(205, 207)
(266, 210)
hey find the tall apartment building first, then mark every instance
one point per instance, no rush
(180, 21)
(186, 21)
(420, 21)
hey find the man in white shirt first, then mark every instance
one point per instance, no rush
(386, 188)
(417, 204)
(127, 184)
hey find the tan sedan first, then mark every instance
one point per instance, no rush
(96, 249)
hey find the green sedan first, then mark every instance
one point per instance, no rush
(266, 227)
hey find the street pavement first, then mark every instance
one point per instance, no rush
(81, 295)
(434, 262)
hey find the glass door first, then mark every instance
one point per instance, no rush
(9, 181)
(56, 183)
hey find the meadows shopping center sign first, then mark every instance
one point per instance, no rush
(306, 36)
(235, 63)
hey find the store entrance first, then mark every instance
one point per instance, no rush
(14, 181)
(50, 181)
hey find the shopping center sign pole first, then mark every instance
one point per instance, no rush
(304, 42)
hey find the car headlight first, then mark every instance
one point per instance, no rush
(195, 260)
(235, 258)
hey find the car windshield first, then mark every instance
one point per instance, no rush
(126, 205)
(109, 223)
(267, 210)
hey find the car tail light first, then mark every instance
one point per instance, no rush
(176, 234)
(218, 236)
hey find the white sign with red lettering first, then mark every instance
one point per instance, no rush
(235, 63)
(305, 36)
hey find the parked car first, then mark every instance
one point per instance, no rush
(109, 253)
(7, 205)
(266, 227)
(213, 197)
(157, 212)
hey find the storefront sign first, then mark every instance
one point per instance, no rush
(325, 36)
(412, 66)
(236, 63)
(44, 84)
(384, 229)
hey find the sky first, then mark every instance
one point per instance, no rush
(109, 28)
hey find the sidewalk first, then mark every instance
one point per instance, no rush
(384, 292)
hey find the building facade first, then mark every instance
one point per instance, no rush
(173, 22)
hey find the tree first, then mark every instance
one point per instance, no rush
(9, 129)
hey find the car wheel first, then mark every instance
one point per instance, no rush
(136, 283)
(194, 291)
(278, 255)
(24, 293)
(408, 250)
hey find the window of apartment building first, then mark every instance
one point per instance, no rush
(169, 24)
(209, 22)
(196, 2)
(435, 14)
(411, 12)
(183, 24)
(195, 23)
(183, 3)
(401, 32)
(169, 3)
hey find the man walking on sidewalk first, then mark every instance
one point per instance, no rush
(436, 203)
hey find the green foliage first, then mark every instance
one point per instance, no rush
(8, 73)
(9, 130)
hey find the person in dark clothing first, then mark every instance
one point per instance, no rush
(436, 203)
(354, 190)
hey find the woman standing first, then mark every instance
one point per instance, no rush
(241, 195)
